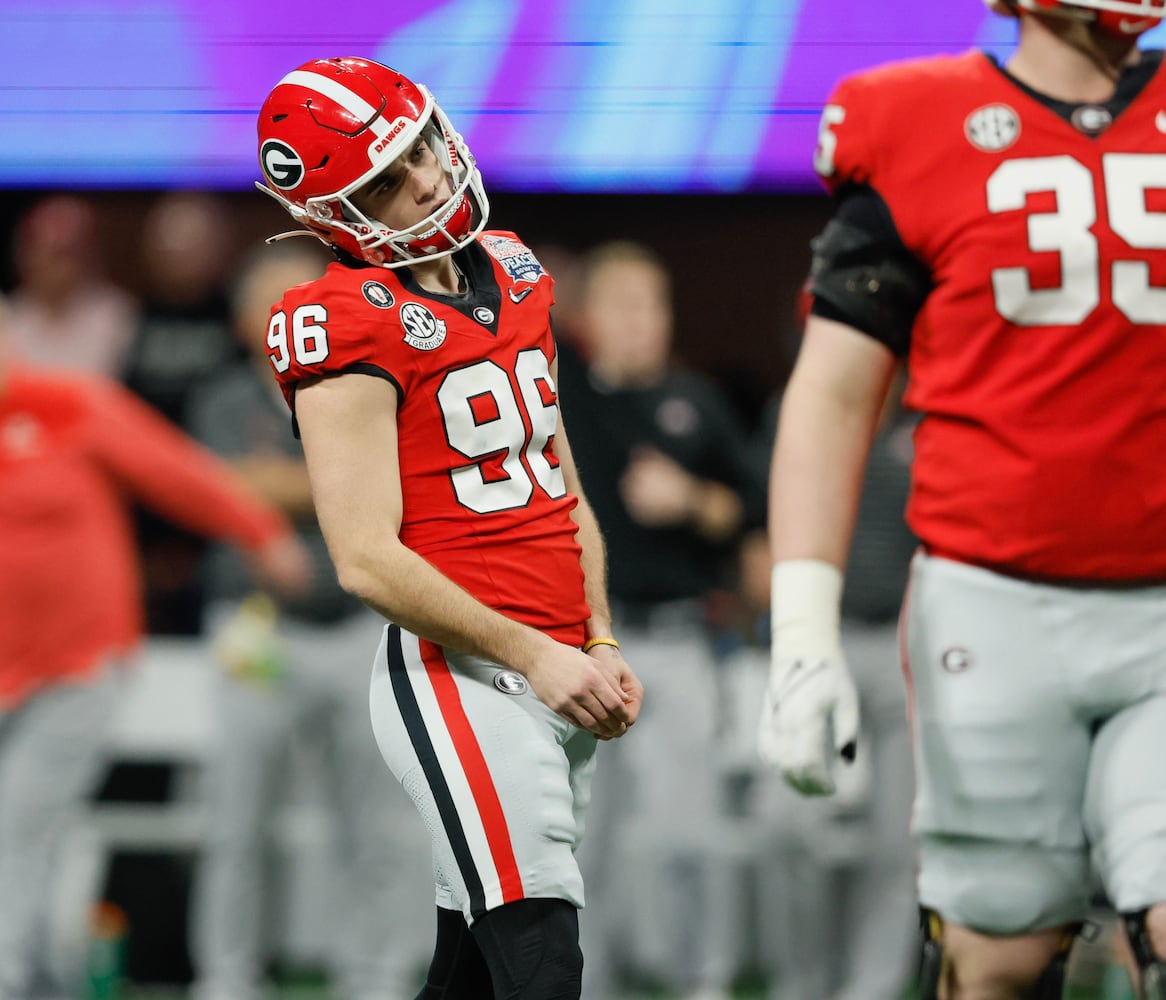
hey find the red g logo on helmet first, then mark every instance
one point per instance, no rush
(281, 164)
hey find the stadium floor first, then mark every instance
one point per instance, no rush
(308, 985)
(321, 993)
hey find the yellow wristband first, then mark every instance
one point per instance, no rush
(590, 644)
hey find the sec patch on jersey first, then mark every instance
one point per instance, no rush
(423, 330)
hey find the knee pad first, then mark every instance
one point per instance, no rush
(1151, 967)
(1050, 986)
(1005, 889)
(532, 949)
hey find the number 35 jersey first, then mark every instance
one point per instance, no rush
(1039, 357)
(484, 497)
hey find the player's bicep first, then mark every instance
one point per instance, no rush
(844, 367)
(562, 447)
(567, 461)
(348, 425)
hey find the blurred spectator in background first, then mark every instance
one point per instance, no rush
(837, 907)
(74, 449)
(183, 336)
(64, 312)
(669, 473)
(295, 675)
(567, 267)
(188, 245)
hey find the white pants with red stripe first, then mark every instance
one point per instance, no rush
(501, 781)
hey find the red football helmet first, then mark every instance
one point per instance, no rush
(332, 125)
(1117, 18)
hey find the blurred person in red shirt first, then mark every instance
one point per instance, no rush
(65, 313)
(75, 451)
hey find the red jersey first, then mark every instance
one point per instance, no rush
(74, 451)
(483, 494)
(1039, 358)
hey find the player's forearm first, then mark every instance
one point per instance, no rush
(406, 589)
(594, 562)
(828, 419)
(814, 487)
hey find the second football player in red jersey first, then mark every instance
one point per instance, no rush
(421, 372)
(1001, 229)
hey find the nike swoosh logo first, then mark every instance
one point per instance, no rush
(521, 295)
(1134, 26)
(1160, 121)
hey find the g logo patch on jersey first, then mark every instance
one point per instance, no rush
(515, 258)
(281, 164)
(992, 128)
(509, 682)
(1092, 119)
(377, 295)
(423, 330)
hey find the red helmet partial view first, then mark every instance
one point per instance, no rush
(330, 126)
(1116, 18)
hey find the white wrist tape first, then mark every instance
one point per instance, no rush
(805, 599)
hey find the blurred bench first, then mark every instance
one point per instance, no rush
(166, 717)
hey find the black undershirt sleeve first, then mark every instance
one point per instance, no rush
(862, 273)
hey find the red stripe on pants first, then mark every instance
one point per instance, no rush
(478, 776)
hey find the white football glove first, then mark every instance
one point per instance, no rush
(810, 709)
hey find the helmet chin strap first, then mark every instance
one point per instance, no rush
(289, 234)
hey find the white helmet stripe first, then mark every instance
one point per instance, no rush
(347, 99)
(1149, 10)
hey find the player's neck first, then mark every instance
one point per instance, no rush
(1066, 61)
(441, 276)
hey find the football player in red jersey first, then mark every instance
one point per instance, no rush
(1002, 230)
(421, 373)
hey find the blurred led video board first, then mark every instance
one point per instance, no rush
(552, 95)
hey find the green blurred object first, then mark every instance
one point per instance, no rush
(249, 643)
(1116, 985)
(105, 965)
